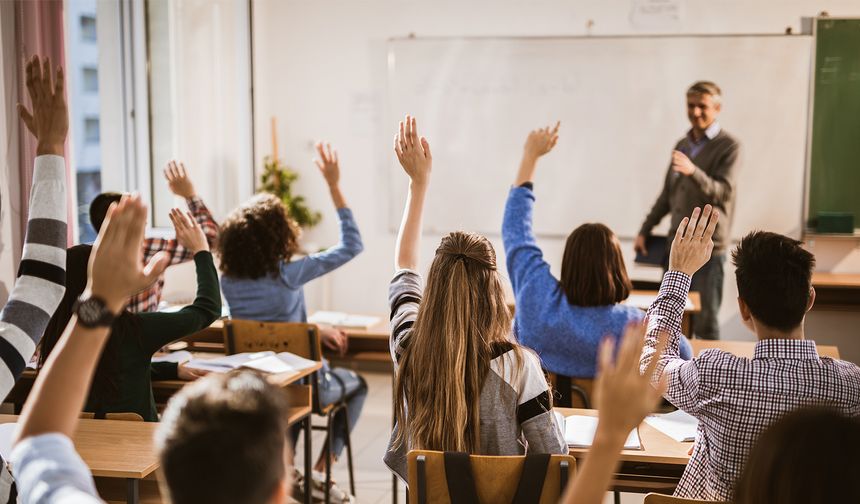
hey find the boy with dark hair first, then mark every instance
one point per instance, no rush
(736, 398)
(229, 431)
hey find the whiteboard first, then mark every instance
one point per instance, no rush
(621, 101)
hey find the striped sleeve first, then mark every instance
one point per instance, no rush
(534, 409)
(41, 276)
(404, 297)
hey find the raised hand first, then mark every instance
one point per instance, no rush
(116, 268)
(693, 243)
(682, 164)
(189, 234)
(541, 141)
(624, 397)
(178, 180)
(49, 119)
(413, 152)
(328, 165)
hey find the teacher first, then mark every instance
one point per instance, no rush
(702, 171)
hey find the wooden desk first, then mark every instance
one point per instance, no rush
(655, 468)
(747, 348)
(836, 291)
(115, 449)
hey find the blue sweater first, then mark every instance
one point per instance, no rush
(281, 298)
(564, 335)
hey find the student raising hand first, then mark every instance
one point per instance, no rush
(538, 143)
(189, 234)
(413, 152)
(49, 119)
(178, 180)
(624, 397)
(693, 245)
(329, 166)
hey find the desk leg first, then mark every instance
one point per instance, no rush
(308, 463)
(132, 491)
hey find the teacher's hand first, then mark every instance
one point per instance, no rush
(639, 245)
(682, 164)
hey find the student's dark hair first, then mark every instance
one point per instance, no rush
(592, 269)
(99, 208)
(774, 275)
(809, 457)
(256, 238)
(104, 390)
(221, 440)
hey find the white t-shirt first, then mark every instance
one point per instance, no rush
(48, 470)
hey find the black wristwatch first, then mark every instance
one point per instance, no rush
(93, 312)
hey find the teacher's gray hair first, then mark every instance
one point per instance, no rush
(706, 87)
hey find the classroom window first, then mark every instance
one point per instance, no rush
(88, 28)
(91, 130)
(90, 80)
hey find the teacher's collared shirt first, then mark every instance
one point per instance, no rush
(695, 146)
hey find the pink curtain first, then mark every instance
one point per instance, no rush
(38, 31)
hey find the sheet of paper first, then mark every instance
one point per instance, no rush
(269, 364)
(678, 425)
(579, 433)
(341, 319)
(177, 357)
(7, 430)
(644, 302)
(226, 363)
(295, 362)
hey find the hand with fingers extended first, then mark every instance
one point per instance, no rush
(178, 180)
(328, 164)
(189, 234)
(693, 243)
(49, 119)
(623, 396)
(413, 152)
(116, 269)
(541, 141)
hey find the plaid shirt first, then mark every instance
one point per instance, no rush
(736, 398)
(148, 299)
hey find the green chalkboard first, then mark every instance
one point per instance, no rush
(834, 177)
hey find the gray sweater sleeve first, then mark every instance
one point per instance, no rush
(42, 274)
(534, 411)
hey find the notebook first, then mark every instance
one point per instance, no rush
(678, 425)
(579, 432)
(177, 357)
(340, 319)
(267, 362)
(658, 247)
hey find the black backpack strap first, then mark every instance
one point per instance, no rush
(532, 478)
(461, 481)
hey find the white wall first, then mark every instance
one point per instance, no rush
(10, 236)
(320, 68)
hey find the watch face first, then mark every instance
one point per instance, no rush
(90, 311)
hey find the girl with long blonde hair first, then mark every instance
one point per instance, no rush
(462, 382)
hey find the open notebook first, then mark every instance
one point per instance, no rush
(677, 425)
(267, 362)
(579, 432)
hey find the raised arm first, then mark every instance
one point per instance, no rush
(115, 272)
(524, 257)
(41, 278)
(350, 243)
(691, 249)
(414, 155)
(159, 329)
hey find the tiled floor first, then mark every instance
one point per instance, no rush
(370, 437)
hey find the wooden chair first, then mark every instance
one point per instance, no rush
(303, 340)
(653, 498)
(571, 392)
(496, 478)
(128, 417)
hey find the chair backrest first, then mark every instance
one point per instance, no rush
(496, 478)
(570, 392)
(253, 336)
(128, 417)
(653, 498)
